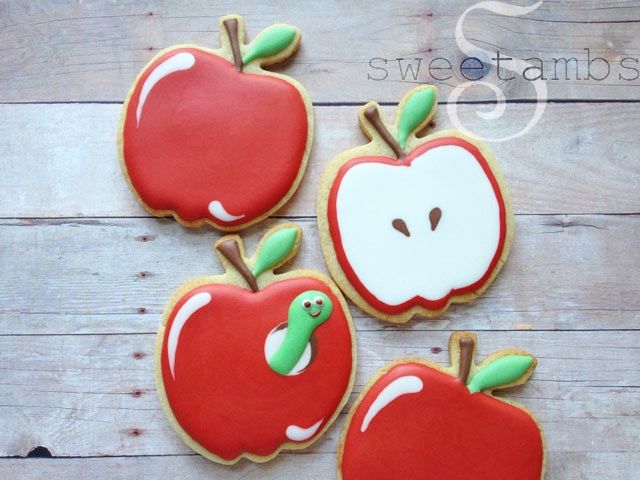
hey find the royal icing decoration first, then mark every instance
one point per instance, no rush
(400, 386)
(306, 313)
(251, 362)
(299, 434)
(420, 420)
(210, 136)
(411, 232)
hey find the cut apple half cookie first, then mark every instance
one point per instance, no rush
(211, 136)
(420, 420)
(251, 362)
(410, 224)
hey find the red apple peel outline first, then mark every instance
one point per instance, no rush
(335, 340)
(187, 197)
(404, 141)
(501, 370)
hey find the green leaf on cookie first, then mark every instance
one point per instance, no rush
(415, 109)
(502, 371)
(275, 248)
(270, 42)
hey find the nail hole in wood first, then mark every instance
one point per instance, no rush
(39, 452)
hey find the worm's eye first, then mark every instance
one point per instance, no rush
(319, 301)
(306, 304)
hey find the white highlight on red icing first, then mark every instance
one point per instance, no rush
(177, 63)
(218, 211)
(299, 434)
(395, 268)
(400, 386)
(272, 344)
(189, 307)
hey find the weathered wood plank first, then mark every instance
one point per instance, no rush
(93, 395)
(115, 275)
(70, 51)
(577, 160)
(316, 466)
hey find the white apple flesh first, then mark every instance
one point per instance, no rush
(428, 263)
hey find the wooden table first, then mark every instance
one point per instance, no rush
(85, 272)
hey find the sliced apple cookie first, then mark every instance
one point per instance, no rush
(417, 419)
(209, 136)
(410, 224)
(251, 362)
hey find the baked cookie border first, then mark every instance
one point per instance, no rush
(232, 277)
(254, 67)
(453, 370)
(378, 147)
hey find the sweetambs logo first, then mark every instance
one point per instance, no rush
(496, 70)
(515, 66)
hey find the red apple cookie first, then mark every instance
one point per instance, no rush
(252, 362)
(410, 224)
(209, 136)
(416, 419)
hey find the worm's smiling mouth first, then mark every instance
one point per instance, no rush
(315, 314)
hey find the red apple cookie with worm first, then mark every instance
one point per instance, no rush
(252, 362)
(419, 420)
(410, 224)
(209, 136)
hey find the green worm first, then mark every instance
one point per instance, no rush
(308, 310)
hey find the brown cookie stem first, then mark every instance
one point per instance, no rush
(373, 115)
(231, 25)
(231, 251)
(466, 356)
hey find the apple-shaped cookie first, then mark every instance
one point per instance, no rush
(251, 362)
(208, 136)
(411, 224)
(419, 420)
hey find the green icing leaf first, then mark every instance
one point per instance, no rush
(414, 111)
(270, 42)
(275, 248)
(501, 371)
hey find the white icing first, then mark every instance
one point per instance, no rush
(189, 307)
(272, 344)
(218, 211)
(177, 63)
(400, 386)
(396, 268)
(299, 434)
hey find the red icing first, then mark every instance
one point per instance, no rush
(428, 304)
(225, 395)
(441, 432)
(211, 133)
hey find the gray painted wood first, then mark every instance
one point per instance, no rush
(91, 51)
(93, 395)
(314, 466)
(85, 273)
(575, 160)
(115, 275)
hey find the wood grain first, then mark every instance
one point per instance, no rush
(93, 395)
(115, 275)
(85, 273)
(91, 51)
(574, 161)
(316, 466)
